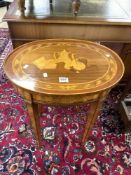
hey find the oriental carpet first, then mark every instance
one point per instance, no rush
(108, 149)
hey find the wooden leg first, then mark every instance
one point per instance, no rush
(33, 110)
(21, 5)
(95, 107)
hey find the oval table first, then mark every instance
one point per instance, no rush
(63, 72)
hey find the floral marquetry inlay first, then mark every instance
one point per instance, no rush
(69, 60)
(64, 66)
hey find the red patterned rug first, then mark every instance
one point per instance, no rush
(107, 149)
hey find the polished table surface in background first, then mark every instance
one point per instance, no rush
(96, 20)
(103, 10)
(63, 72)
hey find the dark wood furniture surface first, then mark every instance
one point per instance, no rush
(65, 72)
(97, 20)
(107, 22)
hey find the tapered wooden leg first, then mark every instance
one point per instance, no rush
(21, 5)
(91, 118)
(34, 114)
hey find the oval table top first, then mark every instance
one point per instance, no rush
(63, 67)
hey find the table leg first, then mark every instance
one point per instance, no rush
(21, 5)
(95, 107)
(34, 114)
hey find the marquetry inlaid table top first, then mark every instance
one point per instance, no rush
(63, 67)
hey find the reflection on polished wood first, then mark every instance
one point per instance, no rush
(22, 8)
(65, 72)
(75, 6)
(108, 10)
